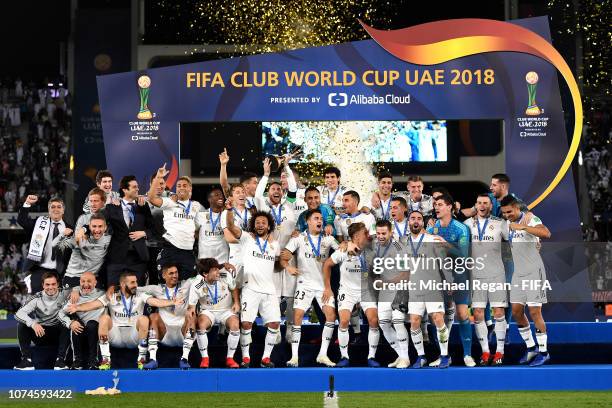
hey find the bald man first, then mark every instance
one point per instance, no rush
(84, 325)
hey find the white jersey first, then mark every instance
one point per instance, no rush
(486, 236)
(350, 270)
(284, 219)
(342, 223)
(308, 263)
(173, 315)
(400, 229)
(124, 312)
(241, 220)
(211, 241)
(525, 253)
(300, 203)
(258, 264)
(249, 202)
(383, 212)
(425, 205)
(180, 222)
(215, 296)
(332, 198)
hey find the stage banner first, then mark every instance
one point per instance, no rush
(453, 69)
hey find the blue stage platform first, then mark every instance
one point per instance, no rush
(558, 377)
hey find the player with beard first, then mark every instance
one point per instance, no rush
(529, 272)
(211, 241)
(488, 232)
(312, 248)
(377, 254)
(352, 266)
(173, 326)
(352, 215)
(240, 219)
(415, 199)
(180, 223)
(84, 328)
(423, 301)
(284, 221)
(313, 201)
(126, 326)
(332, 191)
(260, 252)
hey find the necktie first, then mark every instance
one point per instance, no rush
(132, 208)
(55, 234)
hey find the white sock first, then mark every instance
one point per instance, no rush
(343, 340)
(389, 333)
(104, 349)
(373, 339)
(296, 335)
(142, 349)
(326, 336)
(542, 339)
(449, 317)
(525, 333)
(188, 343)
(270, 342)
(443, 335)
(202, 337)
(402, 338)
(483, 335)
(232, 343)
(245, 342)
(417, 340)
(152, 344)
(500, 333)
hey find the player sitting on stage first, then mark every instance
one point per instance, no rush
(126, 326)
(172, 325)
(216, 300)
(312, 249)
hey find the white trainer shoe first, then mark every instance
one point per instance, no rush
(403, 363)
(395, 363)
(323, 359)
(469, 361)
(293, 362)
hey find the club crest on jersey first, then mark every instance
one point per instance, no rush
(348, 221)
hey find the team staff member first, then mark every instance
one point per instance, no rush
(44, 231)
(129, 221)
(104, 181)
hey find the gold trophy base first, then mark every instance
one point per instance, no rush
(533, 111)
(145, 115)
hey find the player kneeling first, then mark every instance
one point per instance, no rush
(172, 325)
(126, 326)
(215, 296)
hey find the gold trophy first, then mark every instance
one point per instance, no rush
(278, 162)
(144, 82)
(532, 80)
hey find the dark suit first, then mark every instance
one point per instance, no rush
(123, 253)
(28, 223)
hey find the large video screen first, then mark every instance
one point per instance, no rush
(381, 141)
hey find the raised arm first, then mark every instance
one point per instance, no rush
(23, 217)
(223, 160)
(261, 186)
(151, 194)
(231, 227)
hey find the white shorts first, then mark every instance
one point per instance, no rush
(303, 297)
(482, 297)
(289, 284)
(266, 304)
(173, 337)
(530, 297)
(347, 299)
(123, 337)
(419, 308)
(385, 311)
(217, 316)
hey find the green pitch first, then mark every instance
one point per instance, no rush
(521, 399)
